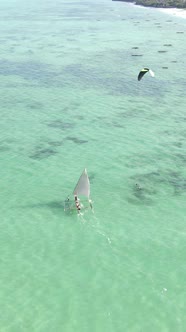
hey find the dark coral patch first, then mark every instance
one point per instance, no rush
(76, 140)
(58, 124)
(43, 153)
(56, 143)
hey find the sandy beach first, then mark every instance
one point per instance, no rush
(174, 11)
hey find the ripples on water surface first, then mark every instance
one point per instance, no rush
(70, 99)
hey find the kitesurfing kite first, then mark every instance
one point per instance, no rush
(143, 72)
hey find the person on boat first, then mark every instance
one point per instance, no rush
(78, 207)
(90, 202)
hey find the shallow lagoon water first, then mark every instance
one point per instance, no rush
(70, 99)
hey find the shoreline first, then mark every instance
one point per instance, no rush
(179, 12)
(174, 11)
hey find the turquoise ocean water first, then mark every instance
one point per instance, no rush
(70, 99)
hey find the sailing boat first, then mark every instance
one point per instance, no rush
(82, 188)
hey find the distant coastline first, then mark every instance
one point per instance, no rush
(181, 4)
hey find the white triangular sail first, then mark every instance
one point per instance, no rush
(83, 185)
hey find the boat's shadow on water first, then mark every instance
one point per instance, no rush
(57, 207)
